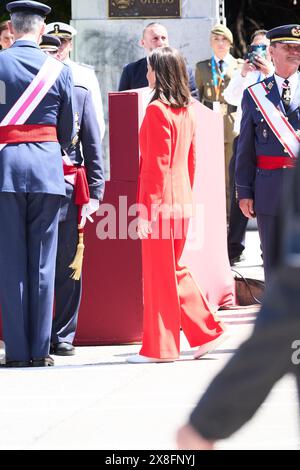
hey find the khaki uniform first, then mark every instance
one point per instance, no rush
(207, 95)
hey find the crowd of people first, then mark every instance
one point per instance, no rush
(52, 180)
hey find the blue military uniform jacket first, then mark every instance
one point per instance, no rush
(85, 149)
(35, 167)
(256, 138)
(134, 76)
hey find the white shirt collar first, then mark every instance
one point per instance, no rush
(293, 83)
(226, 59)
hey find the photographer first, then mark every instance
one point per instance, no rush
(257, 66)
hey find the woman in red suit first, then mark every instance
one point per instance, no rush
(172, 299)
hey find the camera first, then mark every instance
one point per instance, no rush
(254, 51)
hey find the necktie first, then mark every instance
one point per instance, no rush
(286, 94)
(221, 65)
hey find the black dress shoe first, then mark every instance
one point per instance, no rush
(62, 349)
(43, 362)
(236, 259)
(16, 364)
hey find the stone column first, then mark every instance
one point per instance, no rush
(108, 44)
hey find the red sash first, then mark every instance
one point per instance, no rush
(266, 162)
(21, 133)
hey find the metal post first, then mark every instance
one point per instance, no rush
(222, 12)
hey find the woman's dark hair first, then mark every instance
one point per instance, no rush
(171, 84)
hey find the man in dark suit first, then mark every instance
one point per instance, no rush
(85, 149)
(134, 74)
(272, 351)
(36, 121)
(269, 139)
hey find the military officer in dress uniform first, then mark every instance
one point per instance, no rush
(212, 77)
(50, 44)
(37, 120)
(86, 149)
(269, 141)
(82, 74)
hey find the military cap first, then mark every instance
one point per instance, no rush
(288, 34)
(61, 30)
(29, 7)
(222, 30)
(50, 43)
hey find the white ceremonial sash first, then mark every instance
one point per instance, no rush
(276, 120)
(33, 95)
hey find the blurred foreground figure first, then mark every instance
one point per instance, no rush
(272, 351)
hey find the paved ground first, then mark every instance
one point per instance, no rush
(96, 400)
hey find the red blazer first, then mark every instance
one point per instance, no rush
(167, 165)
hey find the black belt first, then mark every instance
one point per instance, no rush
(230, 107)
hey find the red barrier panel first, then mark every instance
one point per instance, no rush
(111, 311)
(206, 252)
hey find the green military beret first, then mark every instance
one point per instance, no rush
(223, 31)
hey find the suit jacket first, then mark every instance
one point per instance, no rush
(207, 92)
(167, 165)
(35, 167)
(134, 76)
(256, 138)
(273, 348)
(87, 151)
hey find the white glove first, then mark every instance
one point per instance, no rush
(88, 209)
(144, 228)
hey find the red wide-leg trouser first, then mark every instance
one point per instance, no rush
(172, 299)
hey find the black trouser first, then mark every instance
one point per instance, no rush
(237, 220)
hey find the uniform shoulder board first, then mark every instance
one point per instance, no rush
(203, 63)
(82, 64)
